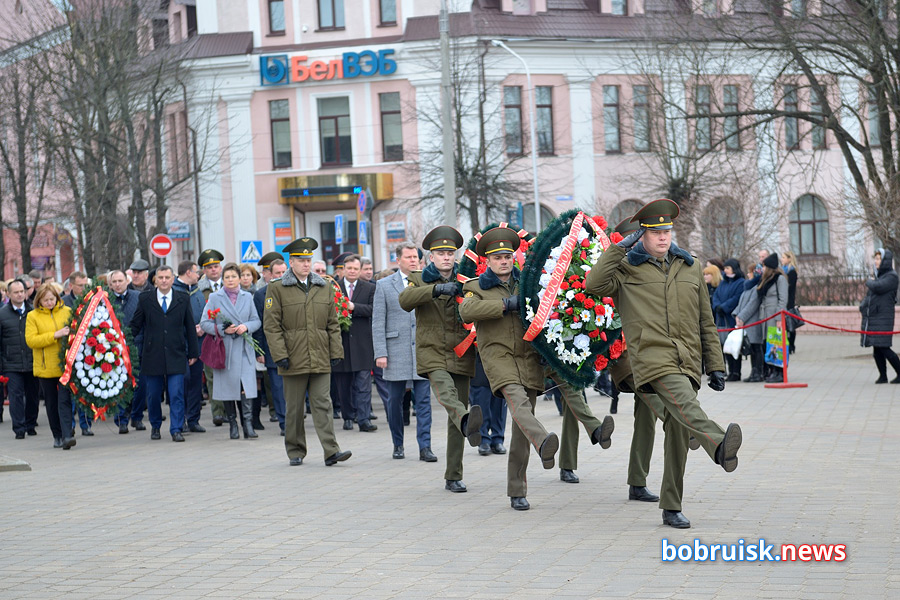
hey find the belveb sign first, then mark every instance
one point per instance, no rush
(281, 69)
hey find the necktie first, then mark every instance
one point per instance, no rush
(164, 305)
(20, 311)
(350, 288)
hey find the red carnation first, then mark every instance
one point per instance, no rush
(608, 300)
(616, 237)
(603, 336)
(578, 285)
(564, 286)
(594, 334)
(89, 360)
(598, 310)
(105, 325)
(580, 297)
(554, 315)
(106, 367)
(573, 277)
(555, 302)
(615, 351)
(569, 311)
(589, 303)
(600, 363)
(111, 337)
(91, 342)
(583, 255)
(586, 243)
(344, 313)
(95, 332)
(118, 362)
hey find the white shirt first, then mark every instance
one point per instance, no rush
(351, 285)
(168, 297)
(216, 285)
(18, 308)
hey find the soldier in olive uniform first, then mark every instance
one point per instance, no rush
(575, 411)
(304, 338)
(432, 294)
(211, 262)
(668, 323)
(511, 364)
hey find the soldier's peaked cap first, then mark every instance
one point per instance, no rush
(210, 257)
(658, 214)
(302, 247)
(443, 237)
(499, 240)
(266, 261)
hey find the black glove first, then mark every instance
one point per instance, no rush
(631, 239)
(283, 364)
(511, 304)
(717, 381)
(445, 289)
(335, 361)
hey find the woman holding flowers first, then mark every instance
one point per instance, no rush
(45, 328)
(230, 314)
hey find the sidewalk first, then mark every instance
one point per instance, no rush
(120, 516)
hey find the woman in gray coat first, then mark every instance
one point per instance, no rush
(770, 298)
(236, 307)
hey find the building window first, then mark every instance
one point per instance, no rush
(160, 33)
(641, 100)
(391, 126)
(724, 232)
(331, 14)
(611, 136)
(791, 131)
(334, 131)
(173, 147)
(191, 20)
(624, 210)
(798, 9)
(388, 12)
(522, 7)
(710, 8)
(544, 121)
(809, 226)
(276, 16)
(817, 107)
(619, 7)
(703, 106)
(512, 113)
(874, 122)
(730, 96)
(280, 124)
(176, 27)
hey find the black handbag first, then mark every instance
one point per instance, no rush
(745, 346)
(793, 323)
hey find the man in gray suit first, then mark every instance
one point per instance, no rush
(394, 338)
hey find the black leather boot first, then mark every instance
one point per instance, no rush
(231, 417)
(247, 414)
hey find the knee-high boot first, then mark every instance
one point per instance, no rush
(247, 413)
(231, 415)
(257, 409)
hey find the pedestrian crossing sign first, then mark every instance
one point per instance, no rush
(251, 251)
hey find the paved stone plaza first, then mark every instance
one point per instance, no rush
(120, 516)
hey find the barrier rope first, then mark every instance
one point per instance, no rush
(788, 313)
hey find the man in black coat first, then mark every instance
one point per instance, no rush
(164, 317)
(18, 361)
(275, 384)
(353, 374)
(124, 301)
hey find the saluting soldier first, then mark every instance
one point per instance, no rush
(668, 323)
(511, 364)
(432, 294)
(210, 261)
(304, 338)
(575, 411)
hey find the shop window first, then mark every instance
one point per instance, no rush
(512, 112)
(280, 125)
(391, 126)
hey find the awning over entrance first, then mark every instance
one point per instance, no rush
(333, 191)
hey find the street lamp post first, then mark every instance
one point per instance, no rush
(532, 112)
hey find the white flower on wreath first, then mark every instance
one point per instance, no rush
(582, 341)
(109, 357)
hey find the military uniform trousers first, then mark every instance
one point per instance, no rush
(216, 406)
(526, 432)
(452, 392)
(295, 389)
(648, 408)
(575, 411)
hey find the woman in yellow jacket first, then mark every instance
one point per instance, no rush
(45, 327)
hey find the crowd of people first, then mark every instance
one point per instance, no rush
(271, 337)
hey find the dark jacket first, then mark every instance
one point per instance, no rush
(170, 338)
(17, 356)
(359, 353)
(877, 307)
(792, 287)
(438, 326)
(507, 358)
(125, 308)
(198, 301)
(666, 315)
(259, 301)
(725, 300)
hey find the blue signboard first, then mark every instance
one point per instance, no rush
(251, 251)
(338, 229)
(280, 69)
(363, 232)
